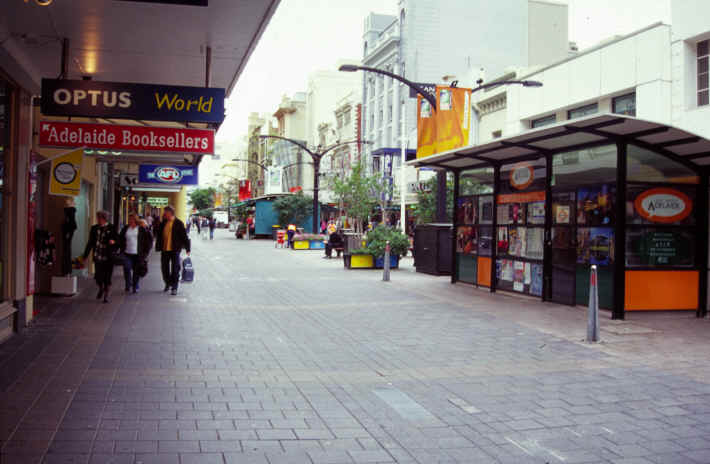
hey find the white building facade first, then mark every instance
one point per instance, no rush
(433, 43)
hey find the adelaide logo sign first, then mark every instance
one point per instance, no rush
(663, 205)
(521, 176)
(126, 138)
(150, 102)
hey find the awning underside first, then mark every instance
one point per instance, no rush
(690, 149)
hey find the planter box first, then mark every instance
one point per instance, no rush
(308, 245)
(301, 245)
(394, 262)
(359, 262)
(317, 245)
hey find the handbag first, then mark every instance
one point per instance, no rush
(188, 272)
(142, 268)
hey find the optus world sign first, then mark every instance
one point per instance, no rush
(150, 102)
(126, 138)
(663, 205)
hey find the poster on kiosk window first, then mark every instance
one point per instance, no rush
(448, 126)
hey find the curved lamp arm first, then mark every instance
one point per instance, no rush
(419, 89)
(340, 144)
(299, 144)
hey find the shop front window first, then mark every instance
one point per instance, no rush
(474, 237)
(660, 211)
(5, 94)
(583, 219)
(520, 218)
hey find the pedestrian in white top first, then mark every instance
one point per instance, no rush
(136, 243)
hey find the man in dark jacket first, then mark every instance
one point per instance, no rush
(170, 240)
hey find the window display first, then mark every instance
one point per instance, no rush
(467, 209)
(648, 246)
(535, 243)
(595, 245)
(485, 209)
(485, 241)
(595, 205)
(466, 240)
(536, 212)
(648, 204)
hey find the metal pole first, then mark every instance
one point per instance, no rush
(316, 174)
(402, 172)
(593, 311)
(441, 196)
(386, 266)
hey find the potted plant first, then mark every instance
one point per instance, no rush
(377, 241)
(360, 258)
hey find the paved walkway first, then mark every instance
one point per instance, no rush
(276, 356)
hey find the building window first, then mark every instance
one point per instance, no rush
(389, 113)
(582, 111)
(703, 72)
(624, 104)
(376, 167)
(545, 121)
(346, 118)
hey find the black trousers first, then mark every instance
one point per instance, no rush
(170, 265)
(104, 272)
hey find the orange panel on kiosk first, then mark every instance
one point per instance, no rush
(484, 271)
(661, 290)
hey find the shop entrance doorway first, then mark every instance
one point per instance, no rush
(583, 206)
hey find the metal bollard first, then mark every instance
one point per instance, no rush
(386, 267)
(593, 311)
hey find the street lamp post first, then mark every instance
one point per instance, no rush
(441, 175)
(316, 156)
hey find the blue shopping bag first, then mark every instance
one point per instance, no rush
(188, 272)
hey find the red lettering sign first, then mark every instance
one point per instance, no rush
(126, 138)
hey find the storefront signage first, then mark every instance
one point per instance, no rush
(521, 176)
(521, 197)
(663, 205)
(149, 102)
(157, 201)
(66, 173)
(173, 175)
(126, 138)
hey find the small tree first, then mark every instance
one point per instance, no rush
(356, 194)
(202, 198)
(426, 201)
(382, 190)
(293, 208)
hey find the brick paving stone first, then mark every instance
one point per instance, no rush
(255, 364)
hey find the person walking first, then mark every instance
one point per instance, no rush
(135, 242)
(188, 223)
(102, 241)
(290, 232)
(212, 225)
(170, 241)
(198, 224)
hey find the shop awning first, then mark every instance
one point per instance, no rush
(682, 146)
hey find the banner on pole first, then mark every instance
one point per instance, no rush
(448, 126)
(66, 173)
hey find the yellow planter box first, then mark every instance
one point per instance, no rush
(362, 262)
(301, 244)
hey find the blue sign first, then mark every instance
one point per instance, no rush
(150, 102)
(167, 175)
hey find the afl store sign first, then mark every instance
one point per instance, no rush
(149, 102)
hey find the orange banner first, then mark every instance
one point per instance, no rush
(453, 116)
(528, 197)
(426, 129)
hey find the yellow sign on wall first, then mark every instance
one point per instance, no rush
(66, 173)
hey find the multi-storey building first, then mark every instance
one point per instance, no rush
(291, 122)
(432, 43)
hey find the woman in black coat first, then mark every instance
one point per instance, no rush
(103, 242)
(135, 243)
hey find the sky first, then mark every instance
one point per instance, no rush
(307, 35)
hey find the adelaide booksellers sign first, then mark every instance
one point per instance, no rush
(151, 102)
(162, 174)
(126, 138)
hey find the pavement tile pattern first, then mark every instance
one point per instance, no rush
(275, 356)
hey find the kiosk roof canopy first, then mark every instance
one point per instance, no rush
(682, 146)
